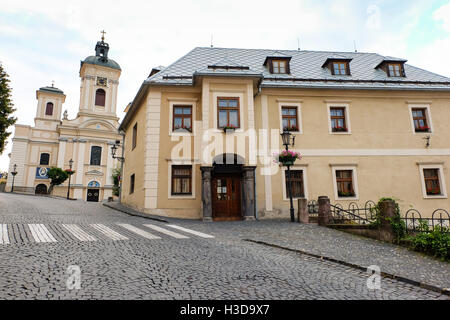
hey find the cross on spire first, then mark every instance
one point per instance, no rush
(103, 35)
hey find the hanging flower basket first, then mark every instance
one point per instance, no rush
(287, 158)
(69, 172)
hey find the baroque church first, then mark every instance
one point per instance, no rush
(83, 143)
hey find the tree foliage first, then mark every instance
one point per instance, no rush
(57, 176)
(6, 108)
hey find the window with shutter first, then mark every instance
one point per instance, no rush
(49, 109)
(100, 97)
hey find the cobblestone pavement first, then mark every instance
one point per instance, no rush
(125, 257)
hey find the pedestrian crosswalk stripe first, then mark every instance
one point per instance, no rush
(110, 233)
(200, 234)
(78, 233)
(4, 234)
(138, 231)
(40, 233)
(165, 231)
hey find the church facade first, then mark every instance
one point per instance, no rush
(55, 140)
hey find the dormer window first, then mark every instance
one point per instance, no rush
(338, 66)
(395, 70)
(393, 67)
(278, 65)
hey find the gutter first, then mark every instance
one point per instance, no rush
(335, 87)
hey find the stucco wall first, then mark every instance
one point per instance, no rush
(382, 145)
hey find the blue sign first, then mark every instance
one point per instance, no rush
(94, 184)
(41, 173)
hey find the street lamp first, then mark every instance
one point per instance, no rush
(70, 175)
(121, 160)
(14, 173)
(286, 136)
(114, 150)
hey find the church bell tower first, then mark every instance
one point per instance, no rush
(99, 82)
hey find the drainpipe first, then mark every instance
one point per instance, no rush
(121, 165)
(258, 92)
(256, 202)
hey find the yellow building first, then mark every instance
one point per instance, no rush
(368, 126)
(85, 140)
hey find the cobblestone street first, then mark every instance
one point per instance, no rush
(129, 257)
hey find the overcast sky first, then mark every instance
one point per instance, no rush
(44, 41)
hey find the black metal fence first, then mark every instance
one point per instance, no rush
(366, 215)
(341, 215)
(415, 223)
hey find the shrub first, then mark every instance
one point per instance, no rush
(435, 242)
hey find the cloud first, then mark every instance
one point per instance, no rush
(46, 42)
(443, 15)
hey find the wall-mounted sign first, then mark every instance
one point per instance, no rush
(41, 173)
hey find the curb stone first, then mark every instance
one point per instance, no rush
(437, 289)
(134, 213)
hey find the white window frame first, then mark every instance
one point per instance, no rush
(298, 105)
(336, 167)
(169, 190)
(440, 169)
(44, 107)
(239, 95)
(427, 108)
(182, 102)
(303, 168)
(346, 106)
(97, 107)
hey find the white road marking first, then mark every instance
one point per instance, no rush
(4, 234)
(165, 231)
(138, 231)
(200, 234)
(110, 233)
(40, 233)
(78, 233)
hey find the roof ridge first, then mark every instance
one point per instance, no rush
(290, 50)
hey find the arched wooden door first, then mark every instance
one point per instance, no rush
(41, 189)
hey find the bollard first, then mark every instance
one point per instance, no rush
(303, 214)
(324, 211)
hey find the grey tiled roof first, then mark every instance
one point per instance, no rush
(305, 66)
